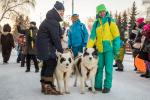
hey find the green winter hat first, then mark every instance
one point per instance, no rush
(100, 8)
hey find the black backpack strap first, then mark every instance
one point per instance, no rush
(109, 20)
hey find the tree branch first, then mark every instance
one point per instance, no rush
(6, 17)
(6, 10)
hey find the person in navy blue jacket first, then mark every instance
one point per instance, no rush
(48, 41)
(77, 36)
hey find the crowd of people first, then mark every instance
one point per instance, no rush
(139, 40)
(41, 45)
(25, 45)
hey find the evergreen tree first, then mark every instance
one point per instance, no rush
(116, 16)
(27, 21)
(20, 19)
(124, 21)
(119, 22)
(133, 17)
(111, 14)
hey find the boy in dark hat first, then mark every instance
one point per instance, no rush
(30, 47)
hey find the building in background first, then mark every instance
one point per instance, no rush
(146, 4)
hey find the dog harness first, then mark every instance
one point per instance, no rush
(88, 71)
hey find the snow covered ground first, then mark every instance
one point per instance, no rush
(15, 84)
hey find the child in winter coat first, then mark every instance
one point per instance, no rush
(30, 47)
(77, 36)
(21, 47)
(7, 42)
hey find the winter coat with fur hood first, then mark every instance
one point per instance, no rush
(7, 40)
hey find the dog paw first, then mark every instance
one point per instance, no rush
(61, 93)
(67, 92)
(94, 92)
(82, 93)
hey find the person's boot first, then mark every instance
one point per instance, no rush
(115, 65)
(97, 89)
(49, 87)
(22, 64)
(120, 66)
(42, 88)
(36, 67)
(49, 90)
(106, 90)
(135, 69)
(27, 70)
(37, 70)
(148, 74)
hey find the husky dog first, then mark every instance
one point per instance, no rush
(86, 68)
(64, 70)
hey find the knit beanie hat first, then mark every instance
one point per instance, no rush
(146, 30)
(140, 20)
(100, 8)
(59, 6)
(33, 23)
(75, 16)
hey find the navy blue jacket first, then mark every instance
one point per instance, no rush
(48, 37)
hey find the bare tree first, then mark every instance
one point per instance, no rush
(11, 8)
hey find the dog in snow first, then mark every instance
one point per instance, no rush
(86, 68)
(63, 70)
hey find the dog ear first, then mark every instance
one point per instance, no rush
(95, 53)
(58, 54)
(80, 53)
(84, 49)
(71, 53)
(68, 49)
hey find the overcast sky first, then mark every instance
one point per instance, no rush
(85, 8)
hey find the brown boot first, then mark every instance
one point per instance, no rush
(42, 88)
(49, 90)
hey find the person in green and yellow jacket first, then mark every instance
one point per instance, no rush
(105, 36)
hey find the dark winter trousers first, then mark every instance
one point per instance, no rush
(19, 57)
(47, 71)
(23, 59)
(6, 54)
(28, 61)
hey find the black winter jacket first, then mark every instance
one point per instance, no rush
(48, 37)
